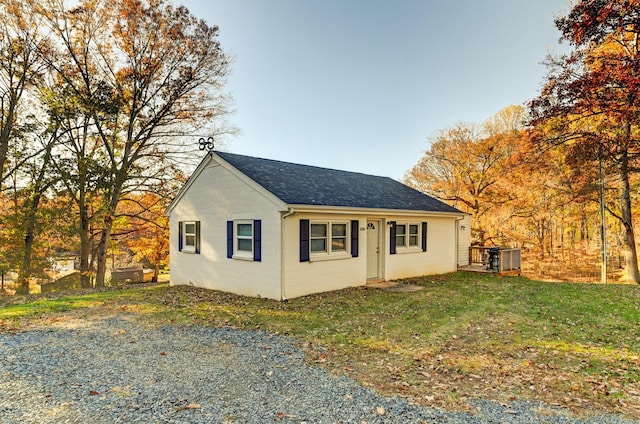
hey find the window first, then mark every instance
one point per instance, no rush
(328, 237)
(189, 237)
(413, 235)
(318, 238)
(408, 236)
(401, 235)
(339, 237)
(320, 235)
(328, 240)
(244, 239)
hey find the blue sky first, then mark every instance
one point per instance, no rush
(360, 85)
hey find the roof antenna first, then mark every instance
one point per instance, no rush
(205, 144)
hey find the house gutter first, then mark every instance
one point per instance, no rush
(290, 212)
(372, 211)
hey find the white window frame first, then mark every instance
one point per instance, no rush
(344, 236)
(330, 252)
(242, 254)
(408, 246)
(186, 247)
(313, 238)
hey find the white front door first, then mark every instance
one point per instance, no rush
(373, 250)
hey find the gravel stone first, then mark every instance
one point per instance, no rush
(115, 370)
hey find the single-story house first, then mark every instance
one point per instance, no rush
(261, 227)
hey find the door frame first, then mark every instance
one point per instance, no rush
(380, 257)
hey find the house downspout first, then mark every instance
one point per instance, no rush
(282, 254)
(458, 240)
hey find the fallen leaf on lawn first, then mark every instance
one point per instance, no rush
(93, 393)
(122, 331)
(380, 410)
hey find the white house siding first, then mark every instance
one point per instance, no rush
(315, 276)
(439, 258)
(214, 198)
(464, 240)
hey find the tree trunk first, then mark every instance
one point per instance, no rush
(628, 236)
(25, 272)
(103, 247)
(31, 204)
(105, 235)
(85, 249)
(29, 225)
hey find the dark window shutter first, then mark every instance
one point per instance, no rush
(304, 240)
(229, 239)
(424, 236)
(197, 236)
(355, 225)
(257, 240)
(180, 225)
(392, 237)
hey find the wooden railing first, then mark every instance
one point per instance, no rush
(479, 255)
(508, 259)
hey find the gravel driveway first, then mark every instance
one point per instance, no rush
(114, 370)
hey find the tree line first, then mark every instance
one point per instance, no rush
(534, 175)
(99, 104)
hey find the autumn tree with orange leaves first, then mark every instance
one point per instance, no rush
(591, 99)
(22, 49)
(146, 73)
(145, 229)
(518, 194)
(465, 167)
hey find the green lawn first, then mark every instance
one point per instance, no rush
(462, 336)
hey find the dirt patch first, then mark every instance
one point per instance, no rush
(395, 286)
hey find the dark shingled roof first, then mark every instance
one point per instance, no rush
(297, 184)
